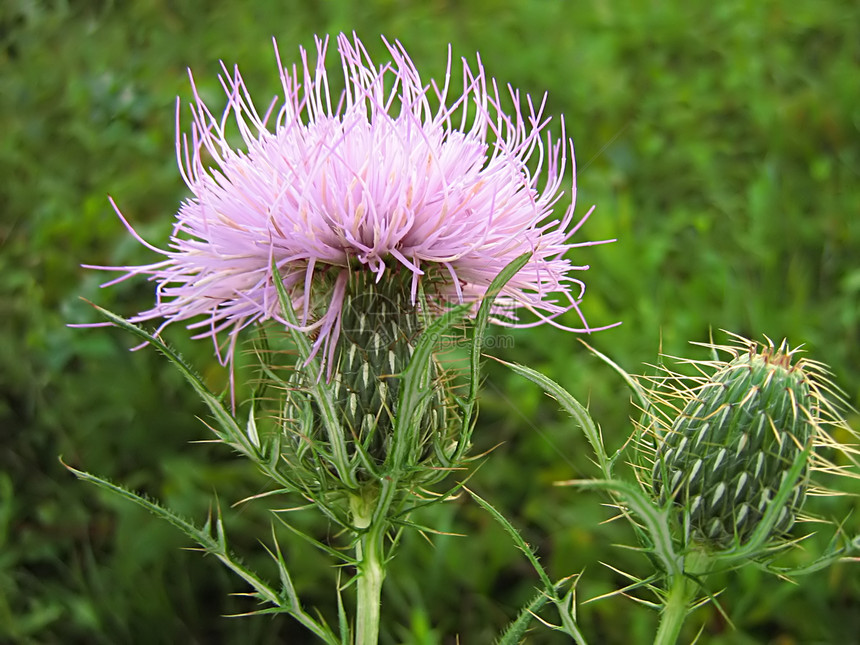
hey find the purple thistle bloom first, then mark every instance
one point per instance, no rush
(393, 175)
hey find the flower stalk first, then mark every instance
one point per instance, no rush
(682, 590)
(370, 564)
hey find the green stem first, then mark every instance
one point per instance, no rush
(682, 590)
(370, 560)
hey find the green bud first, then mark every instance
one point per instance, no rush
(728, 452)
(379, 330)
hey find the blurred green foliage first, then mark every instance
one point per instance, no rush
(721, 144)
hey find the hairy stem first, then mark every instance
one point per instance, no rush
(370, 559)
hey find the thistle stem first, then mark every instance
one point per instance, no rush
(682, 590)
(370, 561)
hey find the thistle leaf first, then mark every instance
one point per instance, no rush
(635, 387)
(479, 329)
(214, 545)
(517, 629)
(573, 407)
(520, 543)
(217, 546)
(228, 429)
(656, 520)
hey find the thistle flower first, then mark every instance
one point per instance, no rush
(393, 176)
(728, 441)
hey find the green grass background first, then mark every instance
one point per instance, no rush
(721, 145)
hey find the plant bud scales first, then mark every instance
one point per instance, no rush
(728, 452)
(380, 328)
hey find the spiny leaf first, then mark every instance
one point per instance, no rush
(212, 545)
(655, 519)
(572, 407)
(217, 546)
(228, 429)
(635, 387)
(517, 629)
(414, 394)
(521, 544)
(763, 532)
(480, 326)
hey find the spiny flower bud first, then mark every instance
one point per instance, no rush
(741, 428)
(379, 330)
(380, 327)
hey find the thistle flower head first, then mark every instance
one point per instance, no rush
(726, 442)
(392, 176)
